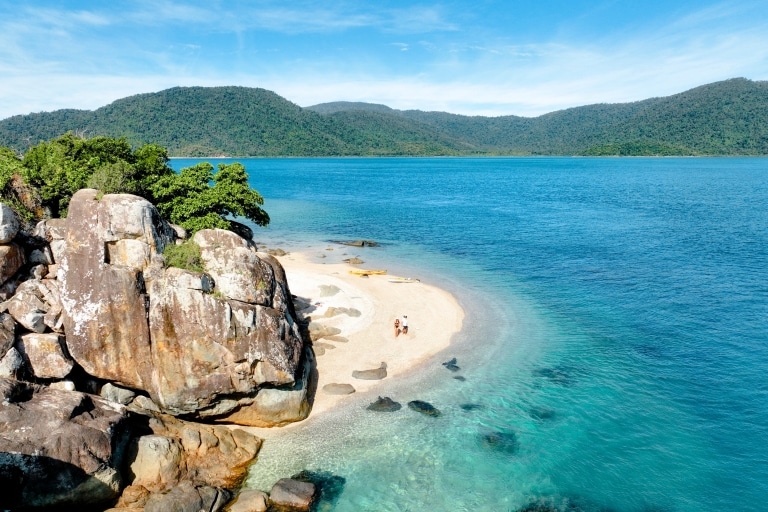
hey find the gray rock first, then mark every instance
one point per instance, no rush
(188, 497)
(12, 364)
(384, 404)
(7, 333)
(156, 462)
(424, 408)
(116, 394)
(9, 223)
(64, 385)
(329, 290)
(338, 389)
(292, 494)
(250, 500)
(375, 374)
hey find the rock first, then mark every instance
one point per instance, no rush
(188, 497)
(156, 462)
(333, 311)
(354, 261)
(28, 306)
(11, 260)
(358, 243)
(502, 441)
(292, 494)
(451, 365)
(470, 407)
(55, 232)
(542, 413)
(384, 404)
(336, 338)
(180, 232)
(559, 375)
(328, 290)
(116, 394)
(7, 333)
(324, 346)
(58, 448)
(276, 252)
(64, 385)
(235, 266)
(424, 408)
(46, 355)
(144, 405)
(9, 223)
(338, 389)
(12, 364)
(319, 351)
(459, 378)
(250, 500)
(318, 331)
(375, 374)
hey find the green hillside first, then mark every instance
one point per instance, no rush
(723, 118)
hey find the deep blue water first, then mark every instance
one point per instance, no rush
(616, 332)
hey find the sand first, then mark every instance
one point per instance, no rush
(364, 310)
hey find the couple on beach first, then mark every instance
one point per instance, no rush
(401, 326)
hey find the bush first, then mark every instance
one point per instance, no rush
(186, 256)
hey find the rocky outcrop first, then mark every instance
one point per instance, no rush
(58, 447)
(201, 344)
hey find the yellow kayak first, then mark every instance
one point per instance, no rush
(367, 272)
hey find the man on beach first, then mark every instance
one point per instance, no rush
(404, 324)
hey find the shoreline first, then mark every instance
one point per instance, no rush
(363, 310)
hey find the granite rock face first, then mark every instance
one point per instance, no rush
(58, 447)
(200, 344)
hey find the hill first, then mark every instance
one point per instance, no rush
(723, 118)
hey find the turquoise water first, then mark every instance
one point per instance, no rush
(616, 341)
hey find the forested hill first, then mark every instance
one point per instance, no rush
(723, 118)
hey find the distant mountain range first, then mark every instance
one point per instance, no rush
(723, 118)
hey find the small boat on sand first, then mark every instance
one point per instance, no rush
(395, 279)
(367, 272)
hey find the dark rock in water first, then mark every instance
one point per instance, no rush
(559, 375)
(470, 407)
(357, 243)
(542, 413)
(187, 497)
(561, 504)
(375, 374)
(329, 487)
(289, 494)
(459, 377)
(502, 441)
(424, 408)
(384, 404)
(451, 365)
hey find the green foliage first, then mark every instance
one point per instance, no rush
(14, 190)
(186, 256)
(197, 198)
(724, 118)
(62, 166)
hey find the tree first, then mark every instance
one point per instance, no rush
(62, 166)
(14, 190)
(197, 198)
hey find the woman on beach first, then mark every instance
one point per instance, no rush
(405, 324)
(397, 327)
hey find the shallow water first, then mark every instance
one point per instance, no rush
(615, 349)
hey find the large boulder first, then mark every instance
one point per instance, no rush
(46, 355)
(188, 497)
(11, 260)
(58, 448)
(9, 223)
(200, 344)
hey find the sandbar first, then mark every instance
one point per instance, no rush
(363, 309)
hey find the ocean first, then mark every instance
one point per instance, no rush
(615, 349)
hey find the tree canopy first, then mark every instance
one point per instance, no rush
(42, 183)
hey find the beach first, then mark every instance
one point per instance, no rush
(363, 310)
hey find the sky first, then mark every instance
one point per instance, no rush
(479, 57)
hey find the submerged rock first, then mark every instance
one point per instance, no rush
(384, 404)
(460, 378)
(470, 407)
(560, 375)
(292, 494)
(424, 408)
(375, 374)
(451, 365)
(542, 413)
(502, 441)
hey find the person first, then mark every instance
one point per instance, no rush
(405, 324)
(397, 327)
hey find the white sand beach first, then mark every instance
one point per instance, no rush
(434, 316)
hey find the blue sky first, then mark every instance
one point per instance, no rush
(483, 57)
